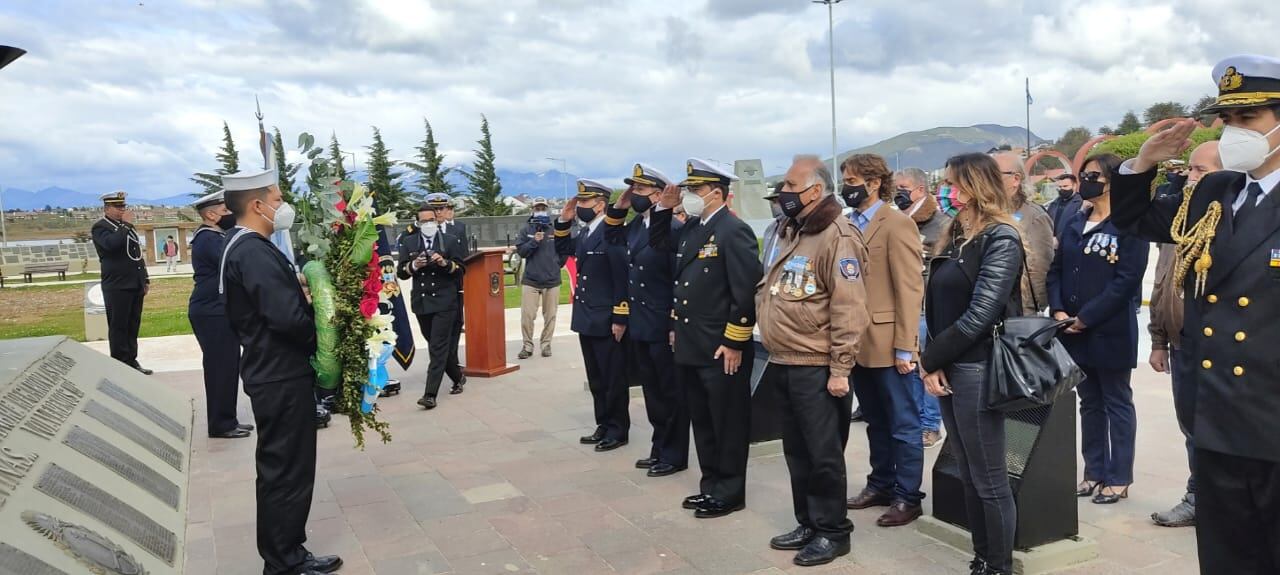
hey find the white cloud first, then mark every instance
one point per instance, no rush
(116, 95)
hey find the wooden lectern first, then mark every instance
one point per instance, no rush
(484, 315)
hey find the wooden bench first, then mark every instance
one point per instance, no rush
(46, 268)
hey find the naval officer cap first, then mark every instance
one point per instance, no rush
(700, 172)
(775, 191)
(588, 189)
(116, 198)
(439, 200)
(249, 180)
(645, 175)
(209, 201)
(1245, 82)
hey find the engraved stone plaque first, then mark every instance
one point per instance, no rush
(134, 432)
(147, 410)
(14, 561)
(94, 463)
(125, 465)
(86, 497)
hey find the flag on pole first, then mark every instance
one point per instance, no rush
(399, 316)
(1029, 100)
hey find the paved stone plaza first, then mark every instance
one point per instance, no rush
(494, 481)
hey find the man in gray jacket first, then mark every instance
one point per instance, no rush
(540, 285)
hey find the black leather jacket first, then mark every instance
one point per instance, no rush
(970, 290)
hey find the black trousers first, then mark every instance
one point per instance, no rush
(455, 365)
(977, 436)
(221, 361)
(720, 411)
(124, 317)
(604, 361)
(654, 364)
(438, 329)
(286, 461)
(815, 431)
(1237, 514)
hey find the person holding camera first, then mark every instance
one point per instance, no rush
(434, 260)
(540, 283)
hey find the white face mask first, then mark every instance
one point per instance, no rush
(284, 216)
(1244, 150)
(693, 204)
(429, 229)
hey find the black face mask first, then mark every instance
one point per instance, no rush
(790, 203)
(641, 204)
(853, 195)
(1090, 189)
(902, 199)
(586, 214)
(227, 221)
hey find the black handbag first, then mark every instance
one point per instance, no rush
(1029, 366)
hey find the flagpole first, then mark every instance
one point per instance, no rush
(1028, 117)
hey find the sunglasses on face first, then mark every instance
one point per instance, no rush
(1090, 176)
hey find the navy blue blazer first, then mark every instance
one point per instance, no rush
(206, 261)
(1097, 277)
(600, 298)
(649, 276)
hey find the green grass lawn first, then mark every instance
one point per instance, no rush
(511, 292)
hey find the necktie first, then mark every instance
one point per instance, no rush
(1250, 203)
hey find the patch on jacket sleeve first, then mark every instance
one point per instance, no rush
(851, 269)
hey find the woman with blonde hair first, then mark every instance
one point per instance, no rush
(972, 286)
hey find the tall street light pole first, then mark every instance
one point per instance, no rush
(831, 45)
(564, 175)
(7, 55)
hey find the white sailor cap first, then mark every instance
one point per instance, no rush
(1246, 81)
(701, 172)
(588, 189)
(209, 200)
(116, 198)
(252, 180)
(646, 175)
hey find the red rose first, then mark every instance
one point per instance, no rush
(341, 205)
(368, 307)
(373, 285)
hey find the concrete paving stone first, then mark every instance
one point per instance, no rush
(380, 521)
(424, 563)
(611, 541)
(724, 559)
(645, 560)
(360, 490)
(491, 492)
(573, 562)
(513, 506)
(1132, 553)
(409, 542)
(502, 562)
(535, 534)
(591, 520)
(613, 490)
(571, 503)
(202, 556)
(468, 544)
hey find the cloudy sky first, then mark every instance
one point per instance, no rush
(128, 94)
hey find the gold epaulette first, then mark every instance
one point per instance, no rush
(737, 332)
(1194, 243)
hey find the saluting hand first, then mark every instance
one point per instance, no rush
(126, 216)
(838, 386)
(670, 197)
(569, 211)
(624, 201)
(732, 359)
(1166, 145)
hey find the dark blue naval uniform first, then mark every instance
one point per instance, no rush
(435, 300)
(649, 354)
(218, 343)
(124, 283)
(599, 301)
(1096, 276)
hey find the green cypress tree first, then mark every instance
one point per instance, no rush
(335, 158)
(384, 184)
(432, 175)
(229, 161)
(287, 172)
(483, 185)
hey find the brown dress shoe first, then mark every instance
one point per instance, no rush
(899, 514)
(868, 498)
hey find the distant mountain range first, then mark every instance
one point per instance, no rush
(927, 149)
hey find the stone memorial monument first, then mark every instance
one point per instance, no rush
(94, 464)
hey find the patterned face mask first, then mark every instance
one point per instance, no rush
(947, 201)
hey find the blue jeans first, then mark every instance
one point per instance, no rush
(1108, 425)
(893, 432)
(930, 416)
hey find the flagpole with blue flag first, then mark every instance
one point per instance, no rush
(1029, 102)
(403, 352)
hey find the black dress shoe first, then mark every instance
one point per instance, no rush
(245, 426)
(857, 415)
(794, 540)
(694, 501)
(427, 402)
(713, 508)
(322, 417)
(665, 469)
(646, 462)
(610, 444)
(234, 433)
(323, 563)
(455, 390)
(595, 437)
(821, 551)
(143, 370)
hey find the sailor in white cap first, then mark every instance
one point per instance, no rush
(1228, 232)
(714, 311)
(124, 277)
(649, 354)
(218, 343)
(276, 328)
(600, 311)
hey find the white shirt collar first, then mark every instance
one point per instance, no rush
(707, 219)
(1267, 182)
(595, 223)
